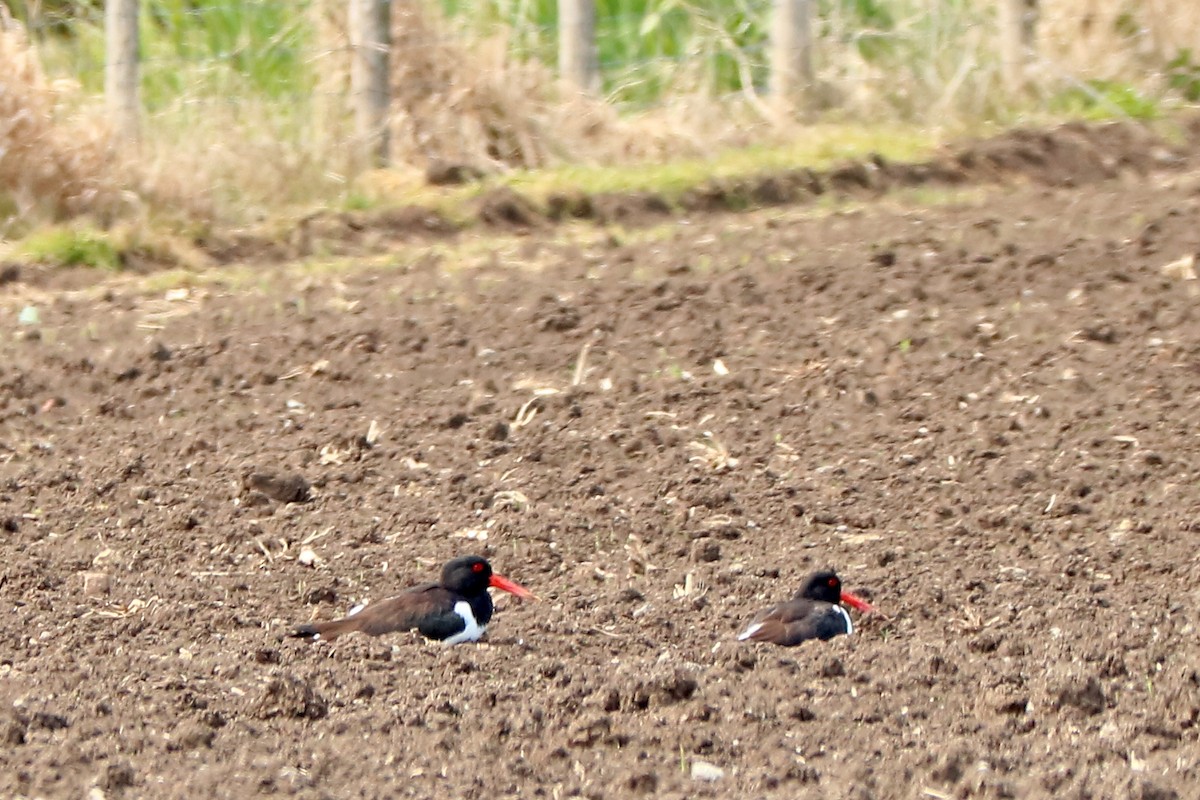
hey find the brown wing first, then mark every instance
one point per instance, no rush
(403, 612)
(406, 611)
(788, 624)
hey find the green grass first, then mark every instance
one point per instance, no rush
(644, 46)
(649, 49)
(76, 245)
(1097, 100)
(820, 147)
(222, 49)
(82, 244)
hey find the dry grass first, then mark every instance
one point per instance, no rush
(239, 156)
(464, 101)
(229, 156)
(56, 158)
(937, 64)
(241, 161)
(470, 103)
(1122, 40)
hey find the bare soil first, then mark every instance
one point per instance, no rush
(982, 413)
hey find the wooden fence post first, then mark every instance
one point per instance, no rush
(791, 54)
(121, 54)
(1017, 20)
(578, 61)
(370, 40)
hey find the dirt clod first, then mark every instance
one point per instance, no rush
(832, 668)
(290, 697)
(281, 487)
(1087, 696)
(502, 207)
(706, 551)
(116, 777)
(12, 730)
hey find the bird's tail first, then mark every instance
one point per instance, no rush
(325, 631)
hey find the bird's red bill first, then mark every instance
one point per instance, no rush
(504, 584)
(857, 602)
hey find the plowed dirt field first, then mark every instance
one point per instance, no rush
(983, 411)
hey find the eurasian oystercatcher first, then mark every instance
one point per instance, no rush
(815, 612)
(456, 610)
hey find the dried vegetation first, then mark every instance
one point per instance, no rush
(56, 158)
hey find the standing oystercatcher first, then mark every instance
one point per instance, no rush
(456, 610)
(815, 612)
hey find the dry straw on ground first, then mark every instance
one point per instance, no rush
(55, 153)
(470, 101)
(1124, 40)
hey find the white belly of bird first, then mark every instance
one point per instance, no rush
(472, 630)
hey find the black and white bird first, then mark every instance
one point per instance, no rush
(454, 611)
(815, 612)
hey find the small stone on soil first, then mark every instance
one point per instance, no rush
(96, 584)
(704, 771)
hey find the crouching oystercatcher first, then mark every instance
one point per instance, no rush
(815, 612)
(456, 610)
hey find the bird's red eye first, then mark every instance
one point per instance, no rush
(477, 567)
(833, 581)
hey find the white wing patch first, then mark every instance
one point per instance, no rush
(846, 617)
(472, 630)
(356, 609)
(750, 631)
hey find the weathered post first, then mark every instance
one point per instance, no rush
(370, 41)
(578, 61)
(121, 65)
(791, 54)
(1017, 20)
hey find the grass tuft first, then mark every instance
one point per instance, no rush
(72, 246)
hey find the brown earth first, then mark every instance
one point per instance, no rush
(982, 413)
(1071, 154)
